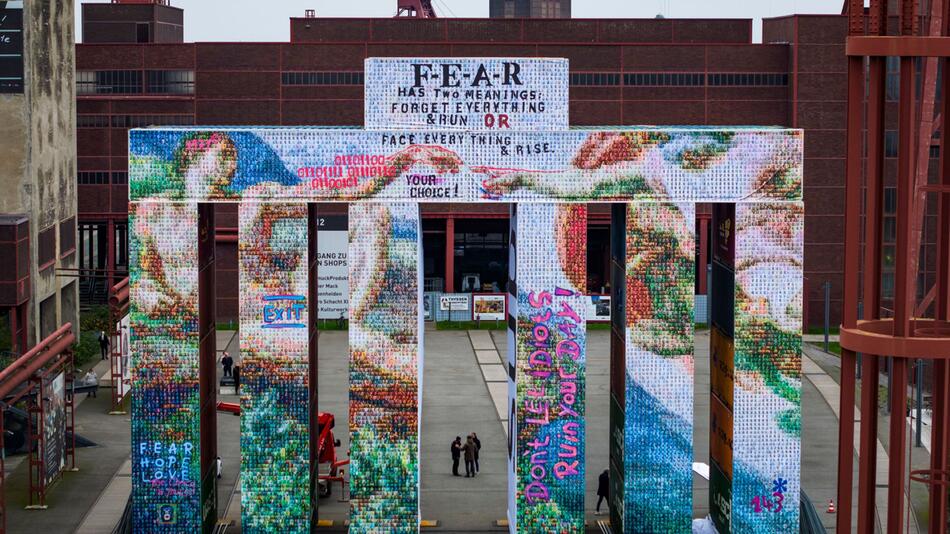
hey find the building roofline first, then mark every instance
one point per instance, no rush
(535, 20)
(806, 16)
(486, 43)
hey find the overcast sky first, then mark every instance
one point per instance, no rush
(268, 20)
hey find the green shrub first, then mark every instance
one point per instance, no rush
(91, 322)
(86, 350)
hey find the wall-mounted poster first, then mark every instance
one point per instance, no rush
(458, 302)
(11, 46)
(54, 426)
(488, 307)
(333, 291)
(598, 309)
(427, 306)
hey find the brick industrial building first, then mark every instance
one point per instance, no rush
(133, 71)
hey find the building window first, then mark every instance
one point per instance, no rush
(121, 247)
(46, 250)
(664, 79)
(144, 121)
(92, 121)
(889, 238)
(92, 242)
(93, 178)
(752, 79)
(171, 82)
(67, 237)
(108, 82)
(120, 178)
(509, 9)
(549, 9)
(322, 78)
(595, 78)
(890, 144)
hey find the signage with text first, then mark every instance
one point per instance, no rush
(467, 94)
(11, 46)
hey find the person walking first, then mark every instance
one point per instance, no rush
(104, 344)
(227, 362)
(469, 450)
(603, 490)
(236, 374)
(456, 455)
(478, 447)
(91, 379)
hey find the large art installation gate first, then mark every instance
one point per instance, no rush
(474, 130)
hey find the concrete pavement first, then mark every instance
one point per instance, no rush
(462, 371)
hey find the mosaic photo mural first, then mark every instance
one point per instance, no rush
(767, 392)
(658, 441)
(547, 173)
(386, 335)
(550, 356)
(275, 394)
(163, 292)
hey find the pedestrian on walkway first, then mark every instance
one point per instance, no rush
(104, 344)
(456, 455)
(227, 362)
(469, 450)
(91, 379)
(236, 374)
(218, 462)
(478, 447)
(603, 490)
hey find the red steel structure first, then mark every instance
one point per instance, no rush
(420, 9)
(23, 379)
(916, 328)
(118, 308)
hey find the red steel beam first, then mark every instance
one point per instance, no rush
(851, 265)
(904, 275)
(20, 370)
(940, 420)
(867, 446)
(894, 46)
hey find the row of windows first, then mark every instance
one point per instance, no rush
(102, 178)
(182, 82)
(891, 145)
(111, 82)
(321, 78)
(681, 79)
(133, 121)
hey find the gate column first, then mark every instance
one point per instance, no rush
(275, 367)
(163, 291)
(547, 356)
(657, 313)
(386, 336)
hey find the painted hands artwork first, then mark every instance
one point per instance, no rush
(679, 165)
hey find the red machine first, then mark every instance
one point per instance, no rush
(326, 447)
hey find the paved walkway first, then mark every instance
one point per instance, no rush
(824, 371)
(107, 509)
(69, 499)
(465, 390)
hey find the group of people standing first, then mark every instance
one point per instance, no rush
(470, 451)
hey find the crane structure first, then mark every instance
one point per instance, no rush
(418, 9)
